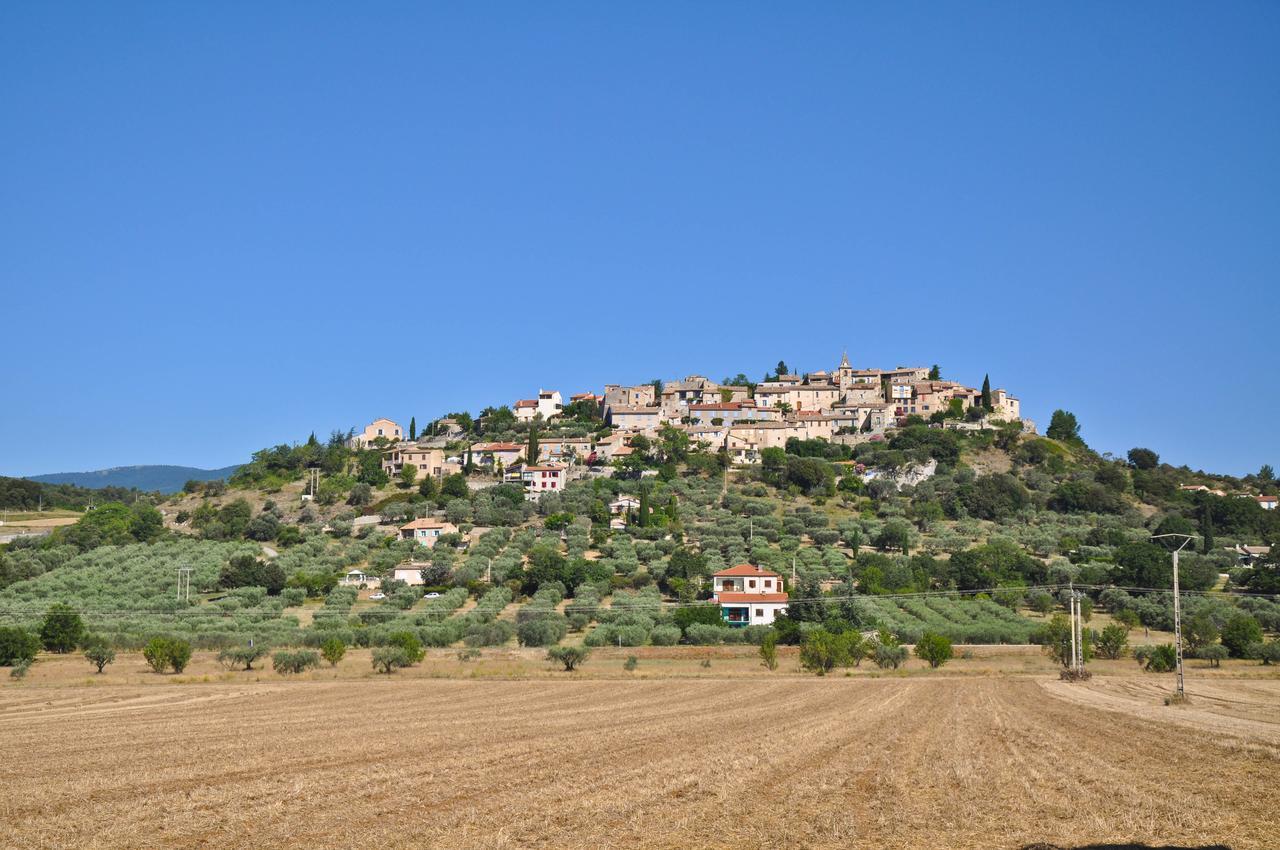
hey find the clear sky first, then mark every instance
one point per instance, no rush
(223, 226)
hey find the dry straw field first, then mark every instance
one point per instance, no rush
(915, 761)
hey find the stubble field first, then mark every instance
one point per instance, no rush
(915, 762)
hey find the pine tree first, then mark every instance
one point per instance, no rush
(935, 374)
(986, 391)
(413, 428)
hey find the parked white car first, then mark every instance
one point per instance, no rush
(377, 596)
(431, 595)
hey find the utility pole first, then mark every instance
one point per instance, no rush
(1179, 689)
(1071, 600)
(184, 583)
(488, 572)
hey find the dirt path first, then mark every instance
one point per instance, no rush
(808, 763)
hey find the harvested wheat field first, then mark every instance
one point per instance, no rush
(905, 763)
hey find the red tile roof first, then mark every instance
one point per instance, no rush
(747, 570)
(748, 598)
(527, 402)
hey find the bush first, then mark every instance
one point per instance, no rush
(569, 656)
(1157, 659)
(934, 649)
(163, 653)
(544, 631)
(1269, 652)
(1240, 631)
(1112, 641)
(887, 652)
(241, 656)
(820, 652)
(99, 653)
(297, 661)
(386, 659)
(293, 596)
(20, 669)
(495, 633)
(769, 651)
(17, 646)
(333, 649)
(410, 643)
(706, 635)
(1214, 654)
(62, 629)
(664, 635)
(631, 663)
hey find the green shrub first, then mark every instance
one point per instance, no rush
(1112, 641)
(293, 596)
(1240, 631)
(933, 649)
(98, 653)
(546, 631)
(704, 634)
(241, 657)
(1214, 653)
(164, 652)
(410, 643)
(296, 661)
(62, 629)
(495, 633)
(631, 663)
(887, 652)
(333, 649)
(386, 659)
(664, 635)
(769, 651)
(16, 646)
(1157, 659)
(569, 656)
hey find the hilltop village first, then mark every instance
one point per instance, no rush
(736, 418)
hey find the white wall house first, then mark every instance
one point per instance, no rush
(426, 531)
(749, 595)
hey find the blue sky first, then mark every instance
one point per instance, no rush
(223, 226)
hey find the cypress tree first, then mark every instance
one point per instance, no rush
(413, 428)
(1206, 527)
(644, 507)
(986, 391)
(531, 453)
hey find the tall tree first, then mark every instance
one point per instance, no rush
(413, 428)
(1267, 473)
(531, 453)
(1206, 527)
(1063, 427)
(644, 507)
(782, 368)
(935, 374)
(986, 391)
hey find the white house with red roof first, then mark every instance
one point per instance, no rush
(1267, 503)
(749, 595)
(426, 531)
(538, 479)
(496, 454)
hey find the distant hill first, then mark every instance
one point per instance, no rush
(164, 479)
